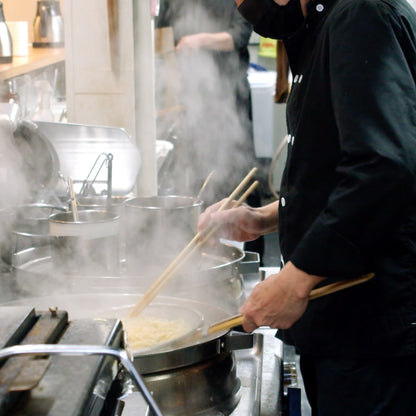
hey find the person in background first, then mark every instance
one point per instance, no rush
(347, 205)
(211, 39)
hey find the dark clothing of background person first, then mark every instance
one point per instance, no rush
(188, 17)
(215, 91)
(348, 193)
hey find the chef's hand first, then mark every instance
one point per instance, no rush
(238, 224)
(244, 223)
(280, 300)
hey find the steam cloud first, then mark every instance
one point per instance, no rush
(214, 133)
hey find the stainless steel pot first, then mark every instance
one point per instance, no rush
(219, 281)
(100, 202)
(87, 246)
(31, 225)
(157, 228)
(7, 218)
(190, 349)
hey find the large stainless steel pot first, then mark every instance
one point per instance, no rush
(7, 218)
(217, 277)
(101, 202)
(24, 226)
(157, 228)
(31, 225)
(171, 355)
(88, 246)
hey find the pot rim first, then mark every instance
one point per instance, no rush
(142, 202)
(105, 217)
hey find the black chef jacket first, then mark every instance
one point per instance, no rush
(348, 192)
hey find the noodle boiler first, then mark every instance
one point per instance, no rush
(231, 373)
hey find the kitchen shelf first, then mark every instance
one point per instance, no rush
(38, 58)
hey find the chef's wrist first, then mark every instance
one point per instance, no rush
(305, 281)
(268, 218)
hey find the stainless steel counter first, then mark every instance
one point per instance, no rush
(260, 375)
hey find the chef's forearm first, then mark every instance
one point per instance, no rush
(221, 41)
(269, 218)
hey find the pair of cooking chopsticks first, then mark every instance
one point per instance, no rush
(199, 240)
(74, 205)
(316, 293)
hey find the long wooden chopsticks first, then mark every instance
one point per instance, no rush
(199, 239)
(316, 293)
(74, 205)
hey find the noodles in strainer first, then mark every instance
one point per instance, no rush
(146, 332)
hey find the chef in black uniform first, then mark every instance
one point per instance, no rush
(347, 205)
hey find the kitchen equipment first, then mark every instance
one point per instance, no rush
(73, 199)
(30, 227)
(13, 184)
(62, 385)
(216, 278)
(6, 44)
(199, 239)
(100, 202)
(12, 110)
(7, 218)
(258, 368)
(90, 350)
(48, 26)
(156, 229)
(158, 315)
(35, 216)
(188, 379)
(88, 184)
(41, 165)
(79, 145)
(89, 246)
(204, 185)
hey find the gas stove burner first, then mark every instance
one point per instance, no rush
(55, 385)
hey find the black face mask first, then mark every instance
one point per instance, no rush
(271, 20)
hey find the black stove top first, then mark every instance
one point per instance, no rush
(55, 385)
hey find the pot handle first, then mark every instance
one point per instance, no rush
(250, 263)
(236, 340)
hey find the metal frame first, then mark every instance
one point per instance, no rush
(85, 350)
